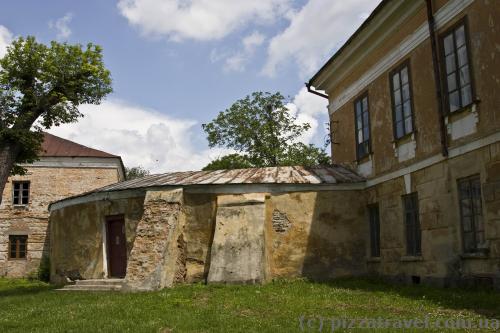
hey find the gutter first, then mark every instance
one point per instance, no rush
(437, 77)
(315, 92)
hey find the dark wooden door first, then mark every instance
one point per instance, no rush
(117, 248)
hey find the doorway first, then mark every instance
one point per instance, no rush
(116, 246)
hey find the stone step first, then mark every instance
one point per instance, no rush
(94, 285)
(74, 287)
(116, 282)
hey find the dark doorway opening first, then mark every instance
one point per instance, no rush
(116, 246)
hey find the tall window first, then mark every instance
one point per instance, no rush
(471, 215)
(401, 101)
(456, 62)
(21, 192)
(374, 230)
(362, 126)
(18, 246)
(412, 223)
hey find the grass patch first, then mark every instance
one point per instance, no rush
(275, 307)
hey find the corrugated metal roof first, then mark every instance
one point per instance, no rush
(54, 146)
(274, 175)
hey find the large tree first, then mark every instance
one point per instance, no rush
(42, 86)
(263, 132)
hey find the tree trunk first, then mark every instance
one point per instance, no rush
(8, 154)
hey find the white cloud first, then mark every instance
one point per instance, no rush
(309, 108)
(140, 136)
(61, 25)
(5, 40)
(199, 19)
(238, 61)
(314, 32)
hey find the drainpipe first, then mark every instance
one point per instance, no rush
(437, 77)
(308, 85)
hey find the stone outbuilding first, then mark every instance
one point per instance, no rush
(231, 226)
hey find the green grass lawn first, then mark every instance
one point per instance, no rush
(28, 306)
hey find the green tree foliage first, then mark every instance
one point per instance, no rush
(263, 132)
(42, 86)
(135, 172)
(231, 161)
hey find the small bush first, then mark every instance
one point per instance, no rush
(43, 273)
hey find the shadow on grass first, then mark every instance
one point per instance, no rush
(481, 301)
(20, 287)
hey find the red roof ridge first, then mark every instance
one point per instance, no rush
(54, 146)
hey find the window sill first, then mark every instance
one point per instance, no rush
(20, 206)
(373, 260)
(17, 259)
(479, 255)
(411, 258)
(404, 139)
(472, 107)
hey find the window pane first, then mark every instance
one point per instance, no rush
(466, 95)
(460, 36)
(454, 100)
(479, 238)
(16, 186)
(399, 129)
(452, 82)
(366, 133)
(407, 109)
(395, 81)
(360, 136)
(408, 125)
(466, 206)
(365, 103)
(469, 244)
(358, 109)
(464, 75)
(25, 200)
(359, 122)
(404, 75)
(462, 56)
(450, 63)
(397, 97)
(366, 119)
(398, 112)
(467, 223)
(406, 92)
(448, 44)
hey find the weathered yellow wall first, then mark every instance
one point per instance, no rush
(200, 210)
(77, 236)
(46, 185)
(483, 19)
(441, 260)
(318, 235)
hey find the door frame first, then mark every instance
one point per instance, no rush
(108, 219)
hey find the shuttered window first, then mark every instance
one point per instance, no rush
(471, 213)
(402, 107)
(457, 72)
(21, 192)
(362, 118)
(18, 246)
(412, 225)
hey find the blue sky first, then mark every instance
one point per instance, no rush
(177, 63)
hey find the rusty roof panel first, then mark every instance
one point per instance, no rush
(272, 175)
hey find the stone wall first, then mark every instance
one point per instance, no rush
(77, 232)
(46, 185)
(442, 261)
(318, 235)
(238, 247)
(158, 254)
(200, 211)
